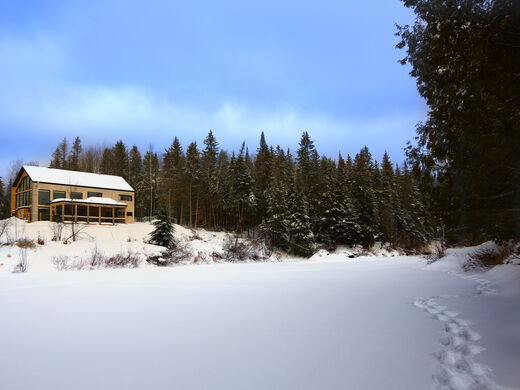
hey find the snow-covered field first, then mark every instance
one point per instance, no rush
(331, 322)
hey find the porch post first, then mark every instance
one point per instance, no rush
(75, 213)
(63, 213)
(99, 215)
(113, 215)
(88, 214)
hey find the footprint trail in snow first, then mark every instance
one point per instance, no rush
(457, 368)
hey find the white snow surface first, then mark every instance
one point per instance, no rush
(329, 322)
(73, 178)
(91, 200)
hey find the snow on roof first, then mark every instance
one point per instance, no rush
(73, 178)
(92, 200)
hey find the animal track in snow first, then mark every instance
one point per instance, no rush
(457, 369)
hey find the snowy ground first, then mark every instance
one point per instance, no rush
(331, 322)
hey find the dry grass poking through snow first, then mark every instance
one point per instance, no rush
(97, 260)
(491, 255)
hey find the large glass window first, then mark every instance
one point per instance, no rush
(125, 197)
(94, 195)
(44, 197)
(76, 195)
(58, 195)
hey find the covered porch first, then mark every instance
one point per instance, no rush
(90, 210)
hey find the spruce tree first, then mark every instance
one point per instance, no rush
(74, 157)
(275, 227)
(301, 238)
(170, 179)
(163, 231)
(192, 174)
(363, 196)
(120, 160)
(261, 173)
(4, 203)
(464, 57)
(135, 177)
(148, 184)
(105, 166)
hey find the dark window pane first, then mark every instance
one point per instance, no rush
(44, 197)
(128, 198)
(44, 213)
(94, 195)
(76, 195)
(58, 195)
(129, 213)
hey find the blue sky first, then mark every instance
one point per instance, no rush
(146, 71)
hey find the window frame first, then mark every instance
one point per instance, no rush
(73, 193)
(40, 197)
(58, 197)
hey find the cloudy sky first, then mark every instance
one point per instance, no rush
(145, 71)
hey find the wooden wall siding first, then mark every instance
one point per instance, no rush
(112, 194)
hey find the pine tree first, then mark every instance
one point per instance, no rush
(308, 163)
(240, 187)
(163, 231)
(261, 173)
(4, 203)
(209, 178)
(192, 174)
(363, 197)
(60, 156)
(338, 222)
(464, 57)
(135, 177)
(301, 238)
(170, 180)
(73, 159)
(275, 227)
(120, 160)
(148, 184)
(105, 166)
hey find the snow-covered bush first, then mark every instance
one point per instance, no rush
(5, 225)
(60, 262)
(438, 252)
(172, 256)
(25, 243)
(236, 249)
(22, 262)
(96, 260)
(488, 256)
(130, 260)
(56, 230)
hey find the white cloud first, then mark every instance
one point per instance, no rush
(36, 96)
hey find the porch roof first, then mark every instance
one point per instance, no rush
(92, 201)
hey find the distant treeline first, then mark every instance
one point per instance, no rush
(293, 201)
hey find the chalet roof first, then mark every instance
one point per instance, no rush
(73, 178)
(92, 200)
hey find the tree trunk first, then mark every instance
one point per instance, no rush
(191, 211)
(197, 211)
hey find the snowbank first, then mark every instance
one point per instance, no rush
(335, 321)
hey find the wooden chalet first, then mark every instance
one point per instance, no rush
(48, 194)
